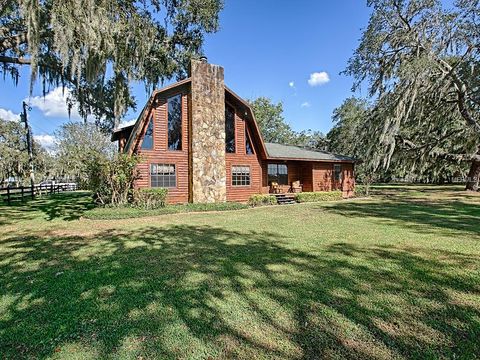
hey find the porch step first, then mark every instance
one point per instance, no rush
(285, 199)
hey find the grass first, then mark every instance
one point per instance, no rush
(394, 276)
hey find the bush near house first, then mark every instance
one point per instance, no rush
(318, 196)
(262, 200)
(130, 212)
(150, 198)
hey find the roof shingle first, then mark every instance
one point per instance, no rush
(281, 151)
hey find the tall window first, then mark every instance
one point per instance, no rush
(175, 122)
(240, 175)
(147, 143)
(337, 172)
(248, 143)
(163, 175)
(229, 129)
(278, 173)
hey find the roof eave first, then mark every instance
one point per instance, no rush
(314, 160)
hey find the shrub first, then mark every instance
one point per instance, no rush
(318, 196)
(126, 212)
(111, 180)
(262, 200)
(361, 190)
(150, 198)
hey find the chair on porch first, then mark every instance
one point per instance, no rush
(296, 187)
(275, 188)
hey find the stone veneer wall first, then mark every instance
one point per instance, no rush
(207, 126)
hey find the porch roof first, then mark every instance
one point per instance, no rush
(290, 152)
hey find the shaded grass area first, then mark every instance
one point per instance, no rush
(112, 213)
(357, 279)
(65, 206)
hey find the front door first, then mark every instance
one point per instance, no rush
(337, 177)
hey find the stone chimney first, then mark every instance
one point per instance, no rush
(207, 128)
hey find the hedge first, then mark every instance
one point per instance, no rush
(262, 200)
(115, 213)
(318, 196)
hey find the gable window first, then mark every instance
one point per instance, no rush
(229, 129)
(278, 173)
(147, 143)
(163, 175)
(241, 175)
(248, 143)
(175, 122)
(337, 172)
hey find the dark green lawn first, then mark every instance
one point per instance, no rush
(394, 276)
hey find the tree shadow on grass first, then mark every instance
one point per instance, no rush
(65, 206)
(422, 216)
(199, 291)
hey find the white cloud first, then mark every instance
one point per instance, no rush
(306, 104)
(291, 84)
(318, 78)
(127, 123)
(46, 141)
(9, 115)
(54, 104)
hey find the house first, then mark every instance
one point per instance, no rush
(200, 140)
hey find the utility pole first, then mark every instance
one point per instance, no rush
(28, 131)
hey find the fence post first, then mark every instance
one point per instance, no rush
(33, 190)
(8, 195)
(22, 192)
(51, 188)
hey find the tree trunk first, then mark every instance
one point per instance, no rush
(474, 175)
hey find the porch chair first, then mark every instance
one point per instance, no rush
(274, 188)
(296, 187)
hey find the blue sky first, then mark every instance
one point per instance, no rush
(268, 48)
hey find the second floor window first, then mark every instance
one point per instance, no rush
(175, 122)
(147, 143)
(248, 144)
(229, 130)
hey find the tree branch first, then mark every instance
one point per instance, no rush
(14, 60)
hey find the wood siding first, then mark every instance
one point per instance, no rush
(160, 153)
(239, 158)
(313, 175)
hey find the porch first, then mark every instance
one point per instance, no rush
(292, 176)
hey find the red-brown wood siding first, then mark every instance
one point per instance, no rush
(242, 193)
(160, 153)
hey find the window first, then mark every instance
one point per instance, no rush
(175, 122)
(147, 143)
(248, 143)
(241, 175)
(229, 129)
(337, 172)
(278, 173)
(162, 175)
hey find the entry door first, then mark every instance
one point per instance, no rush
(337, 177)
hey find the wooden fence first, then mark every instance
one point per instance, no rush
(21, 193)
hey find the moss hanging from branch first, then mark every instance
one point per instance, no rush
(90, 45)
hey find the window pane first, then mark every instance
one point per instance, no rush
(147, 143)
(278, 173)
(229, 130)
(248, 143)
(337, 172)
(240, 175)
(175, 123)
(162, 175)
